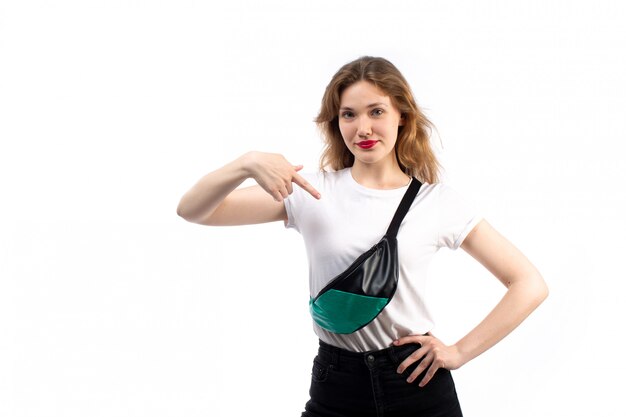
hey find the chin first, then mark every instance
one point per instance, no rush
(368, 161)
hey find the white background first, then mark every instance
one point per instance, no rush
(112, 305)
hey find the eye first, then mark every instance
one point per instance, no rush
(346, 114)
(378, 112)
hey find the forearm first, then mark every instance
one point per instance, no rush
(207, 194)
(516, 305)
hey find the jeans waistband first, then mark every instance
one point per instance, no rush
(393, 353)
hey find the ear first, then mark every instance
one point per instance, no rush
(402, 120)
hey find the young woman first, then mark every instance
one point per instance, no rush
(367, 273)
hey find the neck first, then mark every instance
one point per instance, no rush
(383, 175)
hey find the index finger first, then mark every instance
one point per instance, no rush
(414, 338)
(304, 184)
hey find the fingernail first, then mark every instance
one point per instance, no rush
(409, 380)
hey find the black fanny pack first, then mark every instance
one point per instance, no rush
(355, 297)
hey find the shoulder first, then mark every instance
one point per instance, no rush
(448, 194)
(448, 200)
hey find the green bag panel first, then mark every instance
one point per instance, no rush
(344, 312)
(356, 296)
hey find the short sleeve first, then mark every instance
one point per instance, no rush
(289, 207)
(457, 217)
(296, 201)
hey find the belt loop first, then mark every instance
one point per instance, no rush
(335, 357)
(392, 354)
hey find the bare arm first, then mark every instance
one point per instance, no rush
(526, 290)
(214, 199)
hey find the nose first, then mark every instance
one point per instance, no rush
(365, 127)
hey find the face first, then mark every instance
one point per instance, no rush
(369, 123)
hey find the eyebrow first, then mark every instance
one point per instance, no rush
(369, 105)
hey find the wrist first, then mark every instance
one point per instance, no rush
(462, 356)
(245, 164)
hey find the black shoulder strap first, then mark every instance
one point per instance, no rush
(404, 206)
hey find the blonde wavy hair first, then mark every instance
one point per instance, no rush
(413, 151)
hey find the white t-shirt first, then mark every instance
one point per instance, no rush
(350, 218)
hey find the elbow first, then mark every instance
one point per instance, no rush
(541, 287)
(533, 288)
(180, 211)
(539, 290)
(193, 217)
(544, 291)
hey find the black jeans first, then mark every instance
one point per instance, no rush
(346, 384)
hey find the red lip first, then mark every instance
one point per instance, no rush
(366, 144)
